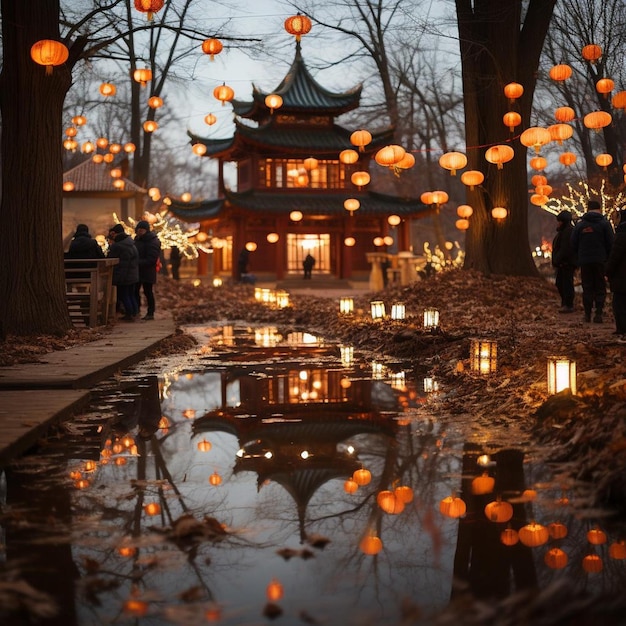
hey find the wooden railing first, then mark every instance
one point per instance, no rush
(89, 291)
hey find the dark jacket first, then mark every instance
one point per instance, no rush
(616, 265)
(592, 238)
(83, 246)
(149, 250)
(126, 272)
(562, 251)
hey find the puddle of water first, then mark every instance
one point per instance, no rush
(279, 476)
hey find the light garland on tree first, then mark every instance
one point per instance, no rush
(577, 200)
(438, 261)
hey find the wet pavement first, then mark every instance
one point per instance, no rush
(273, 476)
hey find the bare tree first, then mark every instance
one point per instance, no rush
(500, 42)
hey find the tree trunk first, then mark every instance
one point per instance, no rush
(32, 285)
(497, 49)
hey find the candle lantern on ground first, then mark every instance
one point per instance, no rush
(483, 356)
(378, 309)
(431, 319)
(561, 374)
(398, 311)
(346, 305)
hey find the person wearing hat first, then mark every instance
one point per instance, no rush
(149, 250)
(564, 261)
(616, 273)
(83, 246)
(126, 272)
(592, 238)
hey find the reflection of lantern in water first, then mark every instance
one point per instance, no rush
(362, 477)
(592, 564)
(499, 511)
(533, 535)
(483, 484)
(509, 536)
(557, 530)
(90, 466)
(617, 550)
(596, 536)
(204, 445)
(371, 544)
(126, 551)
(274, 591)
(451, 506)
(389, 502)
(152, 508)
(350, 486)
(483, 356)
(215, 479)
(83, 483)
(347, 355)
(136, 607)
(555, 558)
(405, 493)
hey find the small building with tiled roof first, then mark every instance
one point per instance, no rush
(291, 186)
(89, 197)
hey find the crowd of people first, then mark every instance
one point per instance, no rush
(600, 253)
(136, 271)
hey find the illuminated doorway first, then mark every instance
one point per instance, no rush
(298, 246)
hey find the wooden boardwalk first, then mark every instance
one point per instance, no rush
(34, 396)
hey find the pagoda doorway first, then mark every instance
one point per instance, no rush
(299, 245)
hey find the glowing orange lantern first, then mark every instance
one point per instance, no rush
(149, 6)
(513, 91)
(406, 162)
(597, 119)
(619, 100)
(155, 102)
(538, 163)
(439, 197)
(115, 148)
(390, 155)
(273, 101)
(462, 224)
(152, 508)
(405, 493)
(499, 213)
(224, 93)
(142, 75)
(107, 89)
(212, 47)
(204, 445)
(538, 179)
(389, 503)
(464, 211)
(49, 53)
(512, 119)
(71, 132)
(557, 530)
(564, 114)
(605, 86)
(535, 137)
(199, 149)
(136, 607)
(543, 190)
(560, 132)
(483, 484)
(150, 126)
(361, 138)
(567, 158)
(351, 205)
(499, 155)
(310, 164)
(298, 25)
(560, 72)
(538, 199)
(591, 52)
(604, 160)
(471, 178)
(129, 147)
(555, 558)
(68, 186)
(348, 157)
(210, 119)
(453, 161)
(79, 120)
(360, 179)
(102, 142)
(617, 550)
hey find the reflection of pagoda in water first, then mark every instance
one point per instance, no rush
(293, 428)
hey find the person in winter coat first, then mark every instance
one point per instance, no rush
(83, 246)
(126, 272)
(149, 250)
(592, 238)
(616, 273)
(564, 261)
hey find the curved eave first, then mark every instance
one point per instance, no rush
(215, 147)
(197, 212)
(327, 204)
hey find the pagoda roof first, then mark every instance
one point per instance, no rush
(300, 92)
(89, 176)
(322, 142)
(309, 203)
